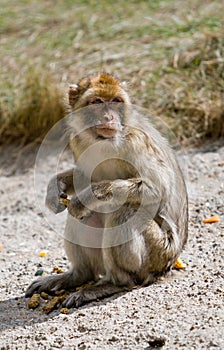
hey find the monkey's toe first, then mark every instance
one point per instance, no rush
(49, 284)
(35, 286)
(74, 300)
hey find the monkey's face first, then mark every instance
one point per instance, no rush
(107, 116)
(101, 100)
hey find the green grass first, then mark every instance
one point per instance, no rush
(136, 40)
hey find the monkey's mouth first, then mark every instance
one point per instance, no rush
(107, 130)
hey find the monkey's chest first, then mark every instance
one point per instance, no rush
(112, 169)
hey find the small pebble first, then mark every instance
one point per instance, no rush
(39, 272)
(156, 342)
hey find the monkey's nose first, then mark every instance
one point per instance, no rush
(108, 117)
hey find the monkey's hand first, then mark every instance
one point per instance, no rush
(104, 196)
(55, 190)
(89, 199)
(77, 208)
(58, 187)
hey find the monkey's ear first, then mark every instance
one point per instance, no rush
(73, 86)
(73, 94)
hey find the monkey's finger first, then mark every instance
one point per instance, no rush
(54, 204)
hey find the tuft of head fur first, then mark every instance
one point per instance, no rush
(100, 84)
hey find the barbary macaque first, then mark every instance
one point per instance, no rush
(128, 197)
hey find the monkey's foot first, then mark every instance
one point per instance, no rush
(50, 284)
(92, 293)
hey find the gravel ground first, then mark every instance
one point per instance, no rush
(185, 312)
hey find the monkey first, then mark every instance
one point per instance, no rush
(128, 196)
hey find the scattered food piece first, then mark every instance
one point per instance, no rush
(83, 286)
(64, 310)
(44, 295)
(57, 269)
(34, 301)
(64, 201)
(39, 272)
(179, 264)
(53, 303)
(60, 292)
(43, 253)
(214, 218)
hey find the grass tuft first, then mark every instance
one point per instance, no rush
(191, 91)
(32, 111)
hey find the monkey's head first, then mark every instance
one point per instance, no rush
(107, 99)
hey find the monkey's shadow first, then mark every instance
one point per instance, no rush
(14, 312)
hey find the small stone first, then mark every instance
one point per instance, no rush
(39, 272)
(113, 338)
(156, 342)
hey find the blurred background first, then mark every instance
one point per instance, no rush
(170, 52)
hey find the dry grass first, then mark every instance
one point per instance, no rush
(159, 47)
(36, 108)
(191, 91)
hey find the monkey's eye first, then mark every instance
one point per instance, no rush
(117, 99)
(96, 101)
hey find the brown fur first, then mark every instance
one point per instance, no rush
(134, 172)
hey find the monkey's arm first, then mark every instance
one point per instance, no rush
(114, 194)
(61, 183)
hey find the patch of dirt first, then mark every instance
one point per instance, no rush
(182, 313)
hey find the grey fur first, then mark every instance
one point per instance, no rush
(149, 183)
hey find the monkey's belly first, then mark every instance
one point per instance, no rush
(87, 232)
(94, 220)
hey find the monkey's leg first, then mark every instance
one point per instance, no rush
(138, 251)
(122, 262)
(86, 262)
(92, 293)
(81, 272)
